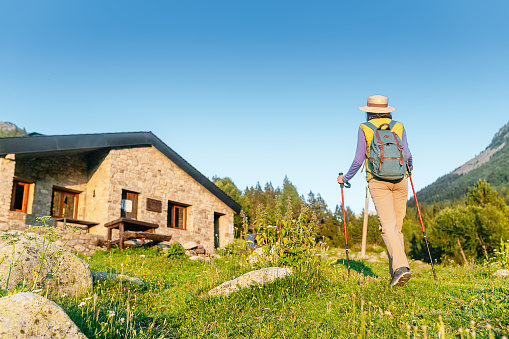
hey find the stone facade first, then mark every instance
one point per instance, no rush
(7, 165)
(100, 177)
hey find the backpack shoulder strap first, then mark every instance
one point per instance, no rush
(371, 125)
(392, 124)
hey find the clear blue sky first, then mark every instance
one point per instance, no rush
(256, 90)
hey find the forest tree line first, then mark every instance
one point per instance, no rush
(470, 228)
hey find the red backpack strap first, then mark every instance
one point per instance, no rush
(400, 148)
(381, 145)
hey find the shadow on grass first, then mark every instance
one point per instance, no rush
(357, 266)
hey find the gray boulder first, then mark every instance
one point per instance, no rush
(501, 273)
(106, 275)
(61, 270)
(258, 277)
(257, 256)
(190, 253)
(30, 316)
(190, 245)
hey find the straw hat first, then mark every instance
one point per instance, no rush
(377, 104)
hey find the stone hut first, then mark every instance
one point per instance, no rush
(94, 179)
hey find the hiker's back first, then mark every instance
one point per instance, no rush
(385, 157)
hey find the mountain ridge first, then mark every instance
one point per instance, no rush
(491, 165)
(8, 129)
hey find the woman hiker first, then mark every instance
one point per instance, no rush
(389, 195)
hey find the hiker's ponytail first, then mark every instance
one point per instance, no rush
(378, 116)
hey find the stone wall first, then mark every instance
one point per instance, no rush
(7, 165)
(68, 171)
(76, 242)
(98, 187)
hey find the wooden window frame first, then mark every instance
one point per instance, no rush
(123, 212)
(173, 207)
(26, 192)
(60, 208)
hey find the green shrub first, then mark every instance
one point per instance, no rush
(289, 241)
(501, 256)
(176, 250)
(234, 248)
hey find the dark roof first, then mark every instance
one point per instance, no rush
(90, 142)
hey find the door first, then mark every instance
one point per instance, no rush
(216, 230)
(129, 205)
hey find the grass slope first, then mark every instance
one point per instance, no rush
(323, 303)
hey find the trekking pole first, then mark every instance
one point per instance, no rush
(347, 185)
(422, 224)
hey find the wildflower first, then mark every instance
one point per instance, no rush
(111, 314)
(121, 264)
(37, 291)
(329, 304)
(82, 304)
(63, 295)
(122, 320)
(88, 298)
(488, 327)
(472, 322)
(88, 258)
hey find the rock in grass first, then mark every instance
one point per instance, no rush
(190, 245)
(105, 275)
(258, 277)
(61, 270)
(30, 316)
(501, 273)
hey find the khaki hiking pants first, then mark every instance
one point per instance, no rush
(390, 202)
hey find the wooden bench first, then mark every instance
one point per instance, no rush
(133, 229)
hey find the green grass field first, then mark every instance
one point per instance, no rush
(318, 302)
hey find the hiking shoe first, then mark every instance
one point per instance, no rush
(401, 276)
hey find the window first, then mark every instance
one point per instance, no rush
(129, 205)
(19, 201)
(64, 204)
(176, 216)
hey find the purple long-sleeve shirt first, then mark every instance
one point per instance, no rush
(360, 154)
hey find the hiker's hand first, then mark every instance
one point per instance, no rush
(340, 179)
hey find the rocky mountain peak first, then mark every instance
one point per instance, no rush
(499, 141)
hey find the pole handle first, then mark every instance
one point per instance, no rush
(345, 184)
